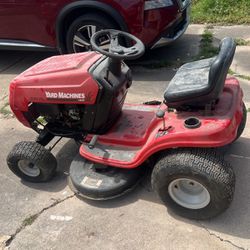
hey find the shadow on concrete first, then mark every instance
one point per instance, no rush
(182, 50)
(15, 62)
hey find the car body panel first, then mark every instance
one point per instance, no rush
(42, 21)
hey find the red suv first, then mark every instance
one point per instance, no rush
(67, 25)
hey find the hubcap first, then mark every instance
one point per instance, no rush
(28, 168)
(189, 193)
(81, 40)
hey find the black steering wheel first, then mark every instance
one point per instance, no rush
(116, 50)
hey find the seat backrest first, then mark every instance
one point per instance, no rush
(220, 66)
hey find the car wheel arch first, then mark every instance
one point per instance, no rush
(75, 9)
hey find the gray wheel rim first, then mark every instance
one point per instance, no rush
(189, 193)
(28, 168)
(81, 39)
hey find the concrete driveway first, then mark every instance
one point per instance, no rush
(49, 216)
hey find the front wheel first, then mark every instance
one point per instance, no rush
(32, 162)
(195, 183)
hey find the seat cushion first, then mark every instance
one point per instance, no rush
(190, 82)
(200, 83)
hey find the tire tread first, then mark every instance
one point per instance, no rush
(39, 156)
(206, 163)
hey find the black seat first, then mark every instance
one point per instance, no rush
(201, 82)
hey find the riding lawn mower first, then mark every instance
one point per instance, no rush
(81, 96)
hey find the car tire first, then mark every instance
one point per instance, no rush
(80, 31)
(194, 183)
(32, 162)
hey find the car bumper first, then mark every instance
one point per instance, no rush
(176, 31)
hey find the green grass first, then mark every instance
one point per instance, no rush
(242, 42)
(28, 221)
(231, 72)
(163, 64)
(4, 109)
(221, 11)
(207, 49)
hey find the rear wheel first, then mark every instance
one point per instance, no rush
(242, 123)
(32, 162)
(195, 183)
(81, 30)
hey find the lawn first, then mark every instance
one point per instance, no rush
(221, 11)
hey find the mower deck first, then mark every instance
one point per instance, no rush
(139, 133)
(98, 182)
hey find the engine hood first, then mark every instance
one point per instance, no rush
(58, 79)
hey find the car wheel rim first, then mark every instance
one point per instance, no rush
(81, 39)
(28, 168)
(189, 193)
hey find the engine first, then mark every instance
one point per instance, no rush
(66, 117)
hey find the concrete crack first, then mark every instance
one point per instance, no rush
(31, 219)
(221, 239)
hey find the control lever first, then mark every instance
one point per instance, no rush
(93, 141)
(160, 114)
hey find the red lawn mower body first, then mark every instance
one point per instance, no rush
(138, 133)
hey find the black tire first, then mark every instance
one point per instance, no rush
(242, 123)
(200, 165)
(26, 153)
(87, 19)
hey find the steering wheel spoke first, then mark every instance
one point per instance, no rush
(114, 44)
(130, 51)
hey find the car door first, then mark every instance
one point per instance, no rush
(25, 20)
(7, 13)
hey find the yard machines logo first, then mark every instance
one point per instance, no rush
(65, 96)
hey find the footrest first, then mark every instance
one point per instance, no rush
(112, 152)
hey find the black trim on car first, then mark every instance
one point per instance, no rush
(87, 4)
(174, 30)
(23, 45)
